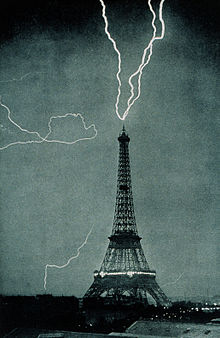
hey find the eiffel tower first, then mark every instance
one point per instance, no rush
(125, 272)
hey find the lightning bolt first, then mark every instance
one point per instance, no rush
(69, 260)
(22, 77)
(118, 53)
(143, 63)
(42, 139)
(174, 282)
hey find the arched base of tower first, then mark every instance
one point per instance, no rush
(126, 289)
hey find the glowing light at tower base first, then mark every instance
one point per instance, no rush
(128, 273)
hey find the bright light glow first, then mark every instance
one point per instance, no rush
(129, 273)
(67, 263)
(210, 308)
(42, 139)
(144, 61)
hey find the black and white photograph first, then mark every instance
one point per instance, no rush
(109, 161)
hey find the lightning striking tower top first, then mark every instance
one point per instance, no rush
(125, 272)
(144, 61)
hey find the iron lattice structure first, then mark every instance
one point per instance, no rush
(125, 272)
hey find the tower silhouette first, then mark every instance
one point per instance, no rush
(125, 273)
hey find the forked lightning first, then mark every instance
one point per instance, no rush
(42, 139)
(143, 63)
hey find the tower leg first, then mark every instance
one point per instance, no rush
(159, 296)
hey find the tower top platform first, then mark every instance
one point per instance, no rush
(123, 136)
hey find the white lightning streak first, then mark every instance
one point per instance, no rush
(69, 260)
(174, 282)
(45, 139)
(144, 62)
(22, 77)
(119, 56)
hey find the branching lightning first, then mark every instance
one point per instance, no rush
(69, 260)
(38, 138)
(42, 139)
(144, 61)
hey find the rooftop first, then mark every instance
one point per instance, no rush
(159, 329)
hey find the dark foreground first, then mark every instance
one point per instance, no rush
(68, 313)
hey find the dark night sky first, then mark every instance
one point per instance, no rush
(52, 194)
